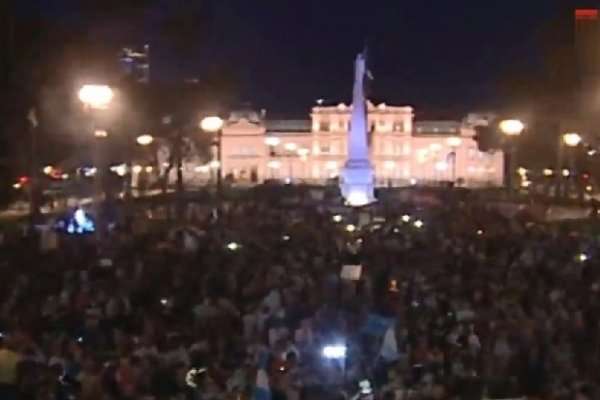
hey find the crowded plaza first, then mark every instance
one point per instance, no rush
(279, 296)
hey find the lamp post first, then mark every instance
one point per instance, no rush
(97, 98)
(512, 129)
(214, 125)
(572, 141)
(144, 141)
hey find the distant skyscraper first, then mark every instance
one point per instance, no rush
(136, 63)
(587, 58)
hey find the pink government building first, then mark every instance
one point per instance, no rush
(403, 151)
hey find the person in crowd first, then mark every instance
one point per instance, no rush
(452, 301)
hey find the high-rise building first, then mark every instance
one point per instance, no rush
(587, 58)
(136, 63)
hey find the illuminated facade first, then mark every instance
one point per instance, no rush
(402, 151)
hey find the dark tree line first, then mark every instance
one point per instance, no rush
(46, 59)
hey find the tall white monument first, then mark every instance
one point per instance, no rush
(357, 179)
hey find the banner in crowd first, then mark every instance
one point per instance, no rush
(351, 272)
(377, 325)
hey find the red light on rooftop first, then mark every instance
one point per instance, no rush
(586, 14)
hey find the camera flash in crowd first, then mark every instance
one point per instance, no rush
(350, 228)
(233, 246)
(479, 232)
(406, 218)
(335, 352)
(337, 218)
(418, 224)
(164, 301)
(582, 257)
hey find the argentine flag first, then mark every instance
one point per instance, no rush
(261, 389)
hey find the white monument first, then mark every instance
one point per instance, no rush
(357, 178)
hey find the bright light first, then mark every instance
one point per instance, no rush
(331, 165)
(149, 169)
(79, 217)
(335, 351)
(566, 173)
(389, 165)
(413, 181)
(406, 218)
(202, 168)
(144, 140)
(572, 139)
(89, 171)
(120, 170)
(214, 164)
(522, 171)
(48, 169)
(435, 147)
(272, 141)
(441, 165)
(17, 186)
(233, 246)
(525, 184)
(418, 224)
(350, 228)
(64, 176)
(100, 133)
(97, 97)
(582, 257)
(480, 232)
(548, 172)
(337, 218)
(357, 199)
(211, 124)
(274, 164)
(302, 152)
(512, 127)
(589, 188)
(290, 146)
(454, 141)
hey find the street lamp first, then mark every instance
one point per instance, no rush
(572, 141)
(144, 140)
(511, 128)
(214, 124)
(97, 97)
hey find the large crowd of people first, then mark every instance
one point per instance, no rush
(443, 301)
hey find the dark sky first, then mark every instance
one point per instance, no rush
(436, 55)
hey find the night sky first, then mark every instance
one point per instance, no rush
(438, 55)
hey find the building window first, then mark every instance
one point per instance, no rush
(325, 149)
(398, 126)
(325, 127)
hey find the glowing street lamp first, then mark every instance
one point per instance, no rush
(144, 140)
(214, 124)
(572, 139)
(511, 128)
(97, 97)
